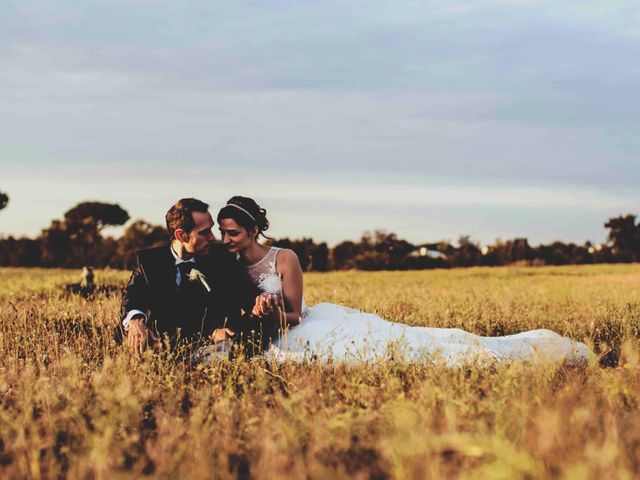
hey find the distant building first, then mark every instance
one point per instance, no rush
(429, 250)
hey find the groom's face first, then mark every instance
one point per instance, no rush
(201, 237)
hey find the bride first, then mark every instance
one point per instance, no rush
(330, 331)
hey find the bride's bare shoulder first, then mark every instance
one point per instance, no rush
(287, 259)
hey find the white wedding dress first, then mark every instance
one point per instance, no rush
(330, 331)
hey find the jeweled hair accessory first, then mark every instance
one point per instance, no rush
(240, 208)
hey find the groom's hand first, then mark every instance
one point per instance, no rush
(139, 337)
(221, 335)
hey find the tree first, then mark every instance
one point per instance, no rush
(385, 251)
(84, 222)
(137, 236)
(505, 253)
(4, 200)
(56, 245)
(21, 252)
(28, 253)
(320, 258)
(388, 242)
(377, 250)
(76, 241)
(624, 235)
(467, 254)
(343, 254)
(96, 214)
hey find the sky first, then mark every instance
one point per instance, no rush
(431, 119)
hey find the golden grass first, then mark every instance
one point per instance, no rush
(75, 405)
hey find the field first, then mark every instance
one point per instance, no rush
(76, 405)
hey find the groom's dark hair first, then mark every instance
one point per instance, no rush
(180, 215)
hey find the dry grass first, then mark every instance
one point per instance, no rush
(75, 405)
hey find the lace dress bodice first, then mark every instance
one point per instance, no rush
(264, 275)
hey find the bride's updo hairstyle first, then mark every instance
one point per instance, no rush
(246, 213)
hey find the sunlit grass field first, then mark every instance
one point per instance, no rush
(74, 404)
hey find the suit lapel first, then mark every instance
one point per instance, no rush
(165, 272)
(204, 264)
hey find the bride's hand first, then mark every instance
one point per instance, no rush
(265, 305)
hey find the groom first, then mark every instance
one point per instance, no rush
(193, 289)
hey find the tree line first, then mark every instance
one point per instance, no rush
(78, 240)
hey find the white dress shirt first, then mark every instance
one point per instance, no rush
(178, 260)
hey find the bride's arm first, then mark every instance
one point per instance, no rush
(291, 274)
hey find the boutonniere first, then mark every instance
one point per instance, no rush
(195, 275)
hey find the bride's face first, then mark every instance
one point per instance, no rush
(235, 237)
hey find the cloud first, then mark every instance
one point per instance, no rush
(501, 96)
(418, 134)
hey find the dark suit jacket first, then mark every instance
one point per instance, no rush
(153, 290)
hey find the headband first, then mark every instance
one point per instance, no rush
(240, 208)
